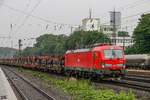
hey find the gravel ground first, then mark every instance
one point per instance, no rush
(16, 92)
(49, 89)
(27, 89)
(140, 95)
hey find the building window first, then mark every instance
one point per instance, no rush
(121, 41)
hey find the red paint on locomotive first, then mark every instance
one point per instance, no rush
(106, 57)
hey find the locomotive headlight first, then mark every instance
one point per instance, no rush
(102, 64)
(124, 65)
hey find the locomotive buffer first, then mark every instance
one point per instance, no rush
(6, 92)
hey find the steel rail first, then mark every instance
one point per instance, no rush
(15, 86)
(138, 79)
(33, 85)
(132, 84)
(141, 76)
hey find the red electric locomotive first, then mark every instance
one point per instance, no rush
(102, 60)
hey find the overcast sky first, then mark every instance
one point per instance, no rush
(25, 19)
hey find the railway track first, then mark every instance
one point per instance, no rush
(145, 79)
(133, 81)
(133, 84)
(142, 76)
(26, 89)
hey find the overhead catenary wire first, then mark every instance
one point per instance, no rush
(27, 17)
(130, 16)
(38, 17)
(131, 5)
(48, 21)
(53, 22)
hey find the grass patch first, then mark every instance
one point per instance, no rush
(81, 89)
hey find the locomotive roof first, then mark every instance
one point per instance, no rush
(106, 47)
(78, 50)
(97, 48)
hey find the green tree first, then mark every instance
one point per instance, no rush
(79, 39)
(50, 44)
(47, 44)
(141, 35)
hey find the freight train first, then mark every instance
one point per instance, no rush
(138, 61)
(100, 61)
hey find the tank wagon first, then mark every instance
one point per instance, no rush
(138, 61)
(99, 61)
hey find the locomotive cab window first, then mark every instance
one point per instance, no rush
(113, 53)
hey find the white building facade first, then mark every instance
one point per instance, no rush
(93, 24)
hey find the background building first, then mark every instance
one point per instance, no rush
(111, 29)
(106, 29)
(123, 41)
(91, 24)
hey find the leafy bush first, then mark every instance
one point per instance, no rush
(82, 89)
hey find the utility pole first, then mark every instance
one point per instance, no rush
(90, 13)
(113, 23)
(114, 26)
(124, 38)
(11, 43)
(71, 29)
(10, 38)
(20, 45)
(123, 42)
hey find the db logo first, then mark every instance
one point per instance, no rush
(78, 60)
